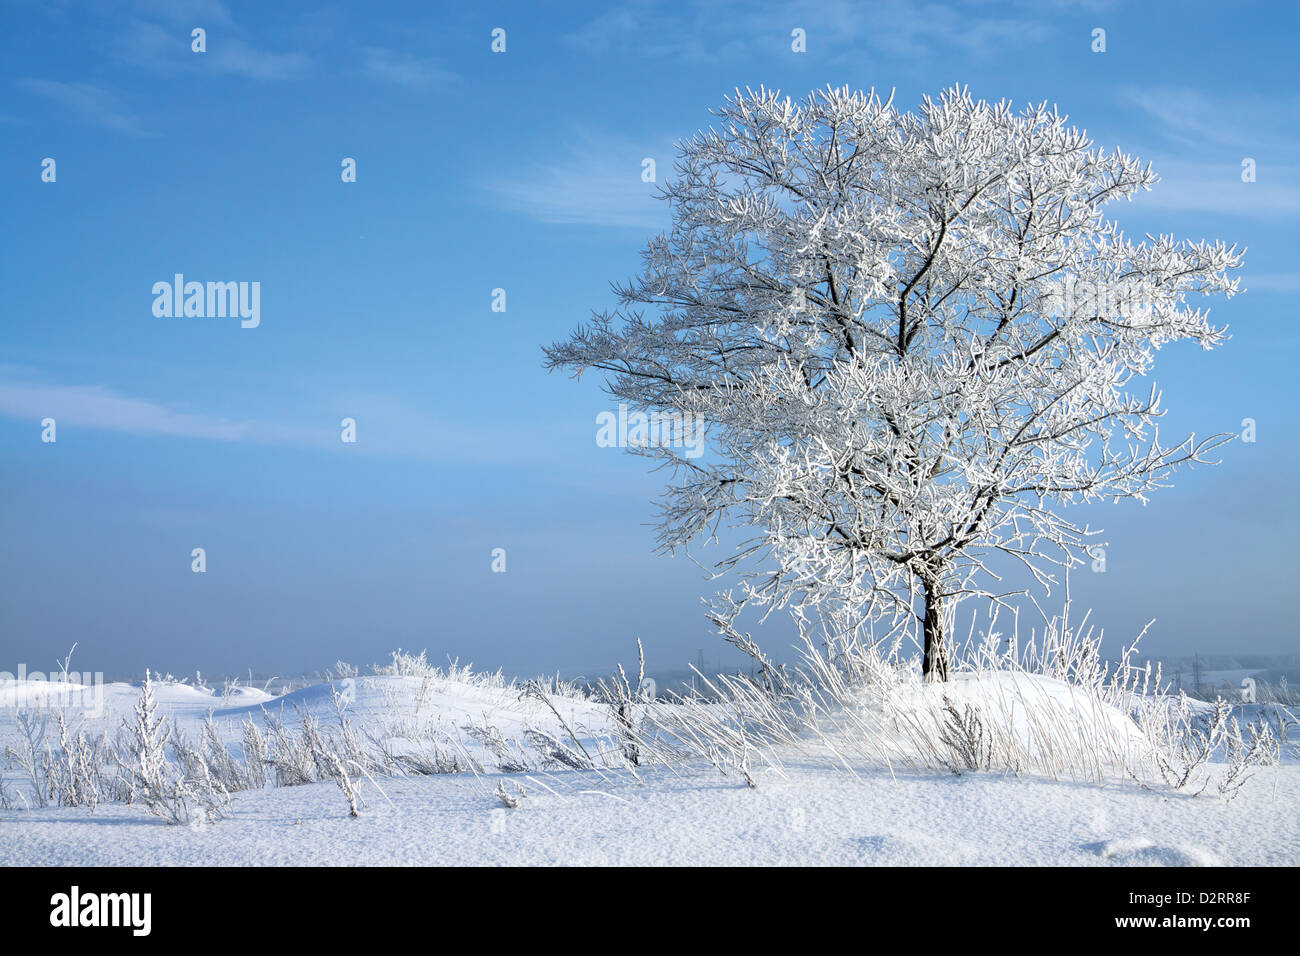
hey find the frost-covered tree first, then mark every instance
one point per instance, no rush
(912, 338)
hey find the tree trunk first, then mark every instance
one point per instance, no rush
(934, 665)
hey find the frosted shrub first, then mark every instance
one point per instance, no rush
(143, 758)
(229, 772)
(74, 769)
(509, 755)
(334, 768)
(288, 755)
(626, 708)
(28, 754)
(963, 734)
(405, 665)
(255, 754)
(197, 780)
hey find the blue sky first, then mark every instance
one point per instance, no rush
(521, 171)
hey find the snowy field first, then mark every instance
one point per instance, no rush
(802, 810)
(815, 817)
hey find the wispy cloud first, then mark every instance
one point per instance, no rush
(90, 103)
(1210, 187)
(1195, 118)
(190, 13)
(92, 406)
(403, 69)
(238, 58)
(1181, 114)
(161, 41)
(1197, 141)
(386, 426)
(720, 29)
(596, 181)
(905, 28)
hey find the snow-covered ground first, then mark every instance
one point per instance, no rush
(810, 813)
(817, 816)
